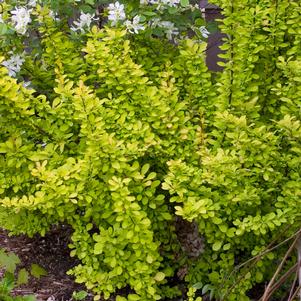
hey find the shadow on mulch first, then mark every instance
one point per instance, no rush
(50, 252)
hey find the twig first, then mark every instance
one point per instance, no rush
(258, 257)
(268, 250)
(295, 294)
(282, 280)
(268, 289)
(299, 262)
(293, 285)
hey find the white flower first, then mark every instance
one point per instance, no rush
(84, 21)
(13, 64)
(203, 11)
(161, 3)
(27, 85)
(155, 22)
(154, 1)
(204, 32)
(54, 15)
(21, 18)
(116, 13)
(134, 26)
(32, 3)
(170, 2)
(170, 28)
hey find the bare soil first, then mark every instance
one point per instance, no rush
(50, 252)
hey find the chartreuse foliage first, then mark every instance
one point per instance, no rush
(246, 188)
(89, 145)
(118, 136)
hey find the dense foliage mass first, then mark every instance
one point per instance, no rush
(125, 136)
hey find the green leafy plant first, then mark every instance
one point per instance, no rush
(80, 295)
(90, 151)
(191, 295)
(244, 190)
(37, 271)
(9, 262)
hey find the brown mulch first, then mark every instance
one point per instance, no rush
(50, 252)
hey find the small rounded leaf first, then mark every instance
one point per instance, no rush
(217, 245)
(159, 276)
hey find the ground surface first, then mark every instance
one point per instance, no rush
(50, 252)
